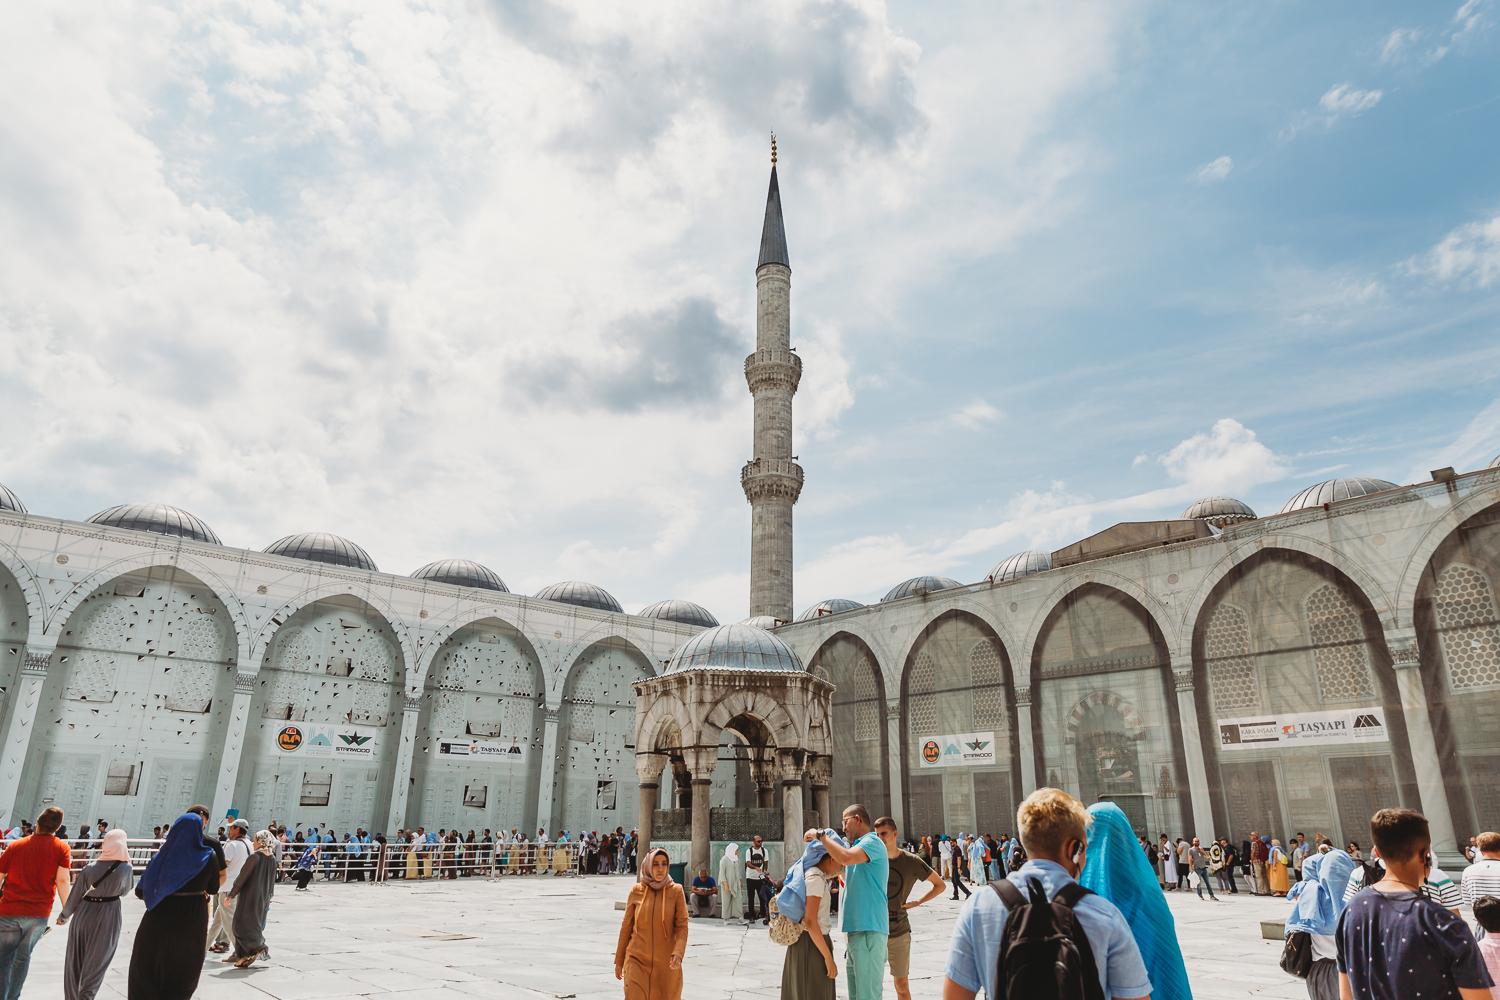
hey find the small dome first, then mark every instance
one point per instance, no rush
(735, 647)
(1219, 510)
(157, 517)
(761, 621)
(462, 573)
(829, 607)
(319, 546)
(1495, 464)
(682, 612)
(919, 585)
(1022, 564)
(583, 595)
(1335, 490)
(9, 501)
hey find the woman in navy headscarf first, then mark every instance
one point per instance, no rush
(173, 935)
(1117, 869)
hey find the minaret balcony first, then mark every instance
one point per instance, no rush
(771, 479)
(774, 369)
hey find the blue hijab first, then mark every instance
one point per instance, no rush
(1318, 899)
(791, 901)
(1117, 869)
(181, 857)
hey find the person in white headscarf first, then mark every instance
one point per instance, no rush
(732, 885)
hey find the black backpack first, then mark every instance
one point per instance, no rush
(1044, 953)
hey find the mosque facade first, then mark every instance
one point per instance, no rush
(1213, 674)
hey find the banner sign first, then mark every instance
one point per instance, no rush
(957, 750)
(1355, 725)
(339, 742)
(481, 752)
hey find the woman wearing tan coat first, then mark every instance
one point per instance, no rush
(653, 935)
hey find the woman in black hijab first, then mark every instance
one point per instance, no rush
(173, 935)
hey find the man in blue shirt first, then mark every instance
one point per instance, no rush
(1054, 832)
(863, 907)
(703, 890)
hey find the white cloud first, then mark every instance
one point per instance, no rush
(1215, 171)
(975, 415)
(1470, 253)
(1397, 43)
(1344, 99)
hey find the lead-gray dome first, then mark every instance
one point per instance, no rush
(919, 585)
(1022, 564)
(681, 612)
(462, 573)
(579, 594)
(9, 501)
(1335, 490)
(760, 621)
(1219, 510)
(735, 647)
(157, 518)
(832, 606)
(321, 547)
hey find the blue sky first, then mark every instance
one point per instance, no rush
(466, 279)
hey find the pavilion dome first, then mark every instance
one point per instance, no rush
(9, 501)
(681, 612)
(1335, 490)
(1022, 564)
(735, 647)
(1219, 510)
(462, 573)
(761, 621)
(832, 606)
(919, 585)
(321, 547)
(579, 594)
(157, 518)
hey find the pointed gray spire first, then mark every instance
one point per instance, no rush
(773, 233)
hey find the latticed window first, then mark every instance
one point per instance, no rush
(1470, 632)
(867, 712)
(1231, 671)
(581, 720)
(1338, 638)
(989, 678)
(922, 711)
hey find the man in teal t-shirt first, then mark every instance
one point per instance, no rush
(866, 920)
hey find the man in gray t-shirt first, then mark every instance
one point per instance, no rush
(1198, 862)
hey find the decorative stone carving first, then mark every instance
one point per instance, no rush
(244, 683)
(1183, 679)
(411, 703)
(36, 663)
(774, 370)
(1023, 697)
(771, 478)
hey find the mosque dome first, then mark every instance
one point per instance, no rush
(583, 595)
(319, 546)
(1219, 510)
(829, 607)
(1022, 564)
(735, 647)
(1335, 490)
(157, 517)
(1494, 464)
(9, 501)
(919, 585)
(682, 612)
(761, 621)
(462, 573)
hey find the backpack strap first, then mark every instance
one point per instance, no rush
(1070, 894)
(1008, 893)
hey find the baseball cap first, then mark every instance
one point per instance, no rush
(242, 824)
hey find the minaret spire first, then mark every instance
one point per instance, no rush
(771, 480)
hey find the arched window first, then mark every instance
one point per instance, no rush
(988, 679)
(1338, 639)
(1106, 755)
(1466, 621)
(1226, 649)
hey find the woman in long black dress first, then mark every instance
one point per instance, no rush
(252, 895)
(173, 936)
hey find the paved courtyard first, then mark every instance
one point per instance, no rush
(544, 938)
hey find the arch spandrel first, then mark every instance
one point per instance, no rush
(878, 647)
(1432, 540)
(325, 590)
(894, 676)
(30, 587)
(437, 638)
(786, 724)
(575, 653)
(1049, 606)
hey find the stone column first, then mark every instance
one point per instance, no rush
(648, 767)
(1405, 657)
(763, 773)
(895, 765)
(821, 773)
(22, 715)
(789, 767)
(401, 783)
(234, 745)
(549, 771)
(701, 762)
(1192, 748)
(1023, 736)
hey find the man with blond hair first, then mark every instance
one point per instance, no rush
(1054, 831)
(1482, 878)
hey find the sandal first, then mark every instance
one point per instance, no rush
(244, 963)
(219, 948)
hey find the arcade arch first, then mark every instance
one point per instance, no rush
(596, 773)
(861, 761)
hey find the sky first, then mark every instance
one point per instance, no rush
(453, 278)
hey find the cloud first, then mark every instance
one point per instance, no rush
(1397, 43)
(975, 415)
(1344, 99)
(1470, 253)
(1215, 171)
(1474, 448)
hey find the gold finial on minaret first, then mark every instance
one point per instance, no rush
(773, 149)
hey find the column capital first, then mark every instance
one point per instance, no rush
(821, 771)
(1403, 646)
(1183, 678)
(700, 761)
(551, 715)
(244, 683)
(648, 767)
(893, 710)
(36, 662)
(790, 765)
(411, 703)
(1023, 697)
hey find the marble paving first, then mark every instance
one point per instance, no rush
(547, 938)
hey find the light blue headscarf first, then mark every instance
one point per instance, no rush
(1319, 898)
(1117, 869)
(791, 901)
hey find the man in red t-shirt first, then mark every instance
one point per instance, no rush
(32, 870)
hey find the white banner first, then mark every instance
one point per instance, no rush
(480, 751)
(1355, 725)
(957, 750)
(342, 742)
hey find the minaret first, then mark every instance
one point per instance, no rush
(772, 481)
